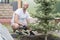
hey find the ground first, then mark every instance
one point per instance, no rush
(10, 30)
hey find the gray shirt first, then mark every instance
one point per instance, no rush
(22, 16)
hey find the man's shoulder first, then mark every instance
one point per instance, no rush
(19, 9)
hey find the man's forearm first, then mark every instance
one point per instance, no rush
(27, 21)
(19, 23)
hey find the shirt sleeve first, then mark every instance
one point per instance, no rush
(17, 12)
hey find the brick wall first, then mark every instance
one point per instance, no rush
(6, 11)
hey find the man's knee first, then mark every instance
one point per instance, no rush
(15, 26)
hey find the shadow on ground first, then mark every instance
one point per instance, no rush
(39, 37)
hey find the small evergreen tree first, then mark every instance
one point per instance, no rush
(45, 14)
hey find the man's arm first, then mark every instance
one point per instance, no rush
(16, 19)
(27, 20)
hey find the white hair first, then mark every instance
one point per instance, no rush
(24, 3)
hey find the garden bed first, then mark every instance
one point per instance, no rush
(38, 37)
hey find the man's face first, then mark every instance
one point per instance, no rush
(25, 6)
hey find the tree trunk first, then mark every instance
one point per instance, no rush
(45, 37)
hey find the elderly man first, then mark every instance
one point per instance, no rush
(21, 17)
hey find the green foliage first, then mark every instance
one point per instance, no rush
(58, 6)
(45, 14)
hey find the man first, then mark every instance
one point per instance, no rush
(21, 17)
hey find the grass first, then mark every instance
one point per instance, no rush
(8, 26)
(54, 36)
